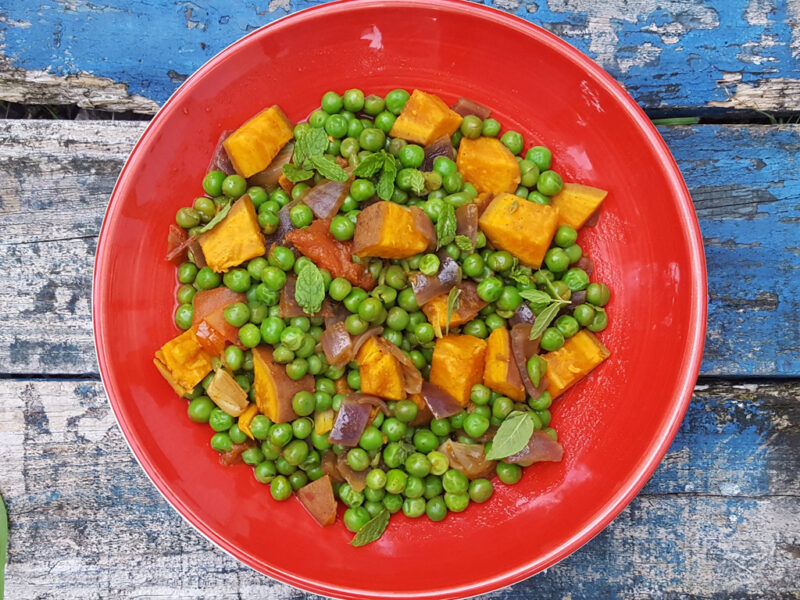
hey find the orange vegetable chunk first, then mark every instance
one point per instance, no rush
(458, 364)
(253, 146)
(381, 374)
(183, 362)
(424, 118)
(469, 305)
(246, 418)
(501, 373)
(235, 239)
(388, 230)
(575, 203)
(488, 165)
(523, 228)
(317, 498)
(274, 389)
(574, 360)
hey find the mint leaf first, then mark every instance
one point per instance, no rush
(543, 319)
(446, 226)
(313, 143)
(328, 168)
(370, 165)
(309, 290)
(223, 212)
(385, 187)
(374, 528)
(295, 174)
(453, 304)
(417, 182)
(537, 299)
(464, 243)
(513, 435)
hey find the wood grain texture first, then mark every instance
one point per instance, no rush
(718, 518)
(668, 54)
(56, 177)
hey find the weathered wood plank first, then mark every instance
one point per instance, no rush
(86, 523)
(57, 176)
(674, 54)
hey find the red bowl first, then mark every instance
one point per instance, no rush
(615, 426)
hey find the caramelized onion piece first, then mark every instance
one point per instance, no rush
(470, 459)
(428, 287)
(220, 160)
(467, 221)
(268, 178)
(234, 455)
(523, 314)
(328, 465)
(592, 220)
(439, 147)
(177, 244)
(337, 345)
(351, 420)
(585, 263)
(439, 401)
(196, 253)
(356, 479)
(523, 348)
(465, 106)
(576, 299)
(411, 375)
(207, 301)
(325, 199)
(285, 224)
(373, 401)
(540, 448)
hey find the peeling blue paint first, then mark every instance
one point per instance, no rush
(665, 59)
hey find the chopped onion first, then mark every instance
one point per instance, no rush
(177, 244)
(328, 464)
(411, 375)
(441, 403)
(373, 401)
(268, 178)
(351, 420)
(337, 345)
(576, 299)
(220, 160)
(428, 287)
(226, 393)
(540, 448)
(523, 348)
(585, 263)
(356, 479)
(234, 455)
(470, 459)
(592, 220)
(465, 106)
(523, 314)
(196, 253)
(442, 146)
(467, 221)
(325, 199)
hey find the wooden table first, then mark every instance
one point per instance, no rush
(720, 516)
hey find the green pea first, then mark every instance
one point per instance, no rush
(384, 121)
(562, 290)
(221, 442)
(187, 272)
(480, 490)
(457, 420)
(372, 139)
(513, 141)
(336, 126)
(353, 100)
(339, 288)
(537, 367)
(452, 183)
(259, 427)
(540, 156)
(271, 451)
(183, 316)
(600, 321)
(556, 260)
(510, 299)
(234, 186)
(425, 440)
(303, 403)
(414, 507)
(284, 467)
(280, 434)
(249, 335)
(439, 462)
(207, 279)
(265, 471)
(282, 355)
(394, 429)
(396, 481)
(405, 411)
(502, 407)
(237, 280)
(342, 228)
(549, 183)
(567, 325)
(370, 309)
(373, 104)
(475, 425)
(490, 127)
(584, 314)
(424, 332)
(476, 328)
(576, 279)
(271, 329)
(490, 289)
(436, 509)
(268, 222)
(331, 102)
(301, 215)
(542, 402)
(529, 174)
(552, 433)
(471, 127)
(281, 257)
(280, 488)
(598, 294)
(455, 482)
(429, 265)
(297, 480)
(212, 183)
(473, 265)
(407, 301)
(396, 100)
(362, 189)
(297, 368)
(354, 299)
(565, 236)
(552, 339)
(538, 197)
(508, 473)
(199, 409)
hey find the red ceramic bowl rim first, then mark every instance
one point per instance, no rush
(691, 362)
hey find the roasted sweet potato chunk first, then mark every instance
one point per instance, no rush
(501, 373)
(246, 418)
(424, 118)
(488, 165)
(234, 240)
(274, 389)
(183, 362)
(575, 203)
(574, 360)
(523, 228)
(388, 230)
(457, 365)
(469, 305)
(381, 374)
(253, 146)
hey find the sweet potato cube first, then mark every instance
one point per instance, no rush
(501, 373)
(183, 362)
(246, 418)
(235, 239)
(575, 203)
(523, 228)
(388, 230)
(424, 118)
(488, 165)
(469, 305)
(318, 499)
(274, 389)
(457, 365)
(253, 146)
(381, 374)
(574, 360)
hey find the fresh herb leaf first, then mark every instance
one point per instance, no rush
(3, 542)
(464, 243)
(223, 212)
(313, 143)
(513, 435)
(512, 208)
(295, 174)
(453, 304)
(537, 298)
(544, 318)
(551, 289)
(309, 291)
(370, 165)
(446, 226)
(328, 168)
(372, 529)
(385, 187)
(417, 182)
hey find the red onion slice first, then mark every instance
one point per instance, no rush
(523, 348)
(523, 314)
(337, 345)
(540, 448)
(411, 375)
(373, 401)
(467, 221)
(220, 160)
(178, 242)
(465, 106)
(439, 401)
(442, 146)
(428, 287)
(356, 479)
(268, 178)
(585, 263)
(470, 459)
(351, 420)
(325, 199)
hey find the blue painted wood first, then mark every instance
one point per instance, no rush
(667, 54)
